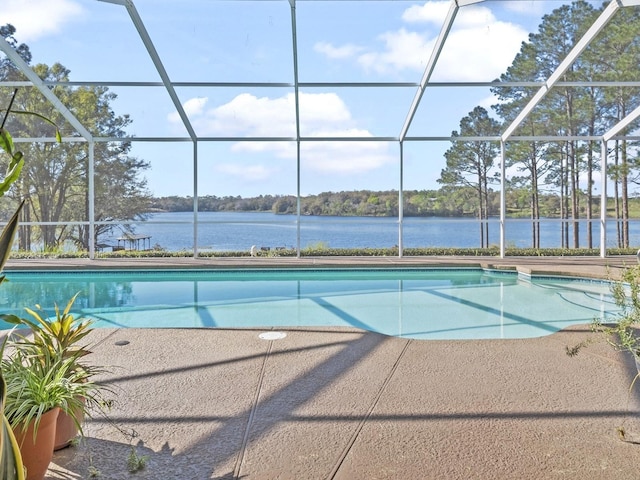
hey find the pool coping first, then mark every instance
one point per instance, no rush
(588, 267)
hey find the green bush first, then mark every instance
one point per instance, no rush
(322, 250)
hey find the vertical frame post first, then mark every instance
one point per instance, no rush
(92, 200)
(401, 202)
(503, 198)
(603, 200)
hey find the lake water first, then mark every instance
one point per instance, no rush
(238, 231)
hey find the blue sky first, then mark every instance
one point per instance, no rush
(250, 41)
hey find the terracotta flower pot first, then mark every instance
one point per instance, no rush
(67, 428)
(36, 455)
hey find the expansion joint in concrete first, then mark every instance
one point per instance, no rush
(370, 410)
(254, 407)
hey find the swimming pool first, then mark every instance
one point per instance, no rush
(433, 303)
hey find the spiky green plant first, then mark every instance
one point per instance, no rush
(60, 335)
(11, 467)
(10, 460)
(36, 383)
(623, 331)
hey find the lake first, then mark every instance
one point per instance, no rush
(238, 231)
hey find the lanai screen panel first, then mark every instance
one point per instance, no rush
(249, 77)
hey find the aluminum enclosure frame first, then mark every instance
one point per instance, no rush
(403, 137)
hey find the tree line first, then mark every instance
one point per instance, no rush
(444, 202)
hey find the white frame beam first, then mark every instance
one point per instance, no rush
(611, 133)
(431, 65)
(157, 62)
(603, 199)
(296, 95)
(37, 82)
(553, 79)
(571, 57)
(454, 6)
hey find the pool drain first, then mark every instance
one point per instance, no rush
(272, 335)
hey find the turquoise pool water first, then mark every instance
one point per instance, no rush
(430, 303)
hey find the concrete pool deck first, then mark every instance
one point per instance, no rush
(338, 403)
(592, 267)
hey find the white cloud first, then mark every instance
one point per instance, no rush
(322, 115)
(479, 47)
(402, 50)
(192, 107)
(345, 157)
(319, 110)
(345, 51)
(35, 19)
(248, 115)
(195, 106)
(251, 173)
(251, 116)
(480, 50)
(430, 12)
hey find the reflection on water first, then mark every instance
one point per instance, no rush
(18, 292)
(416, 303)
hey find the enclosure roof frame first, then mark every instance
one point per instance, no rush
(544, 87)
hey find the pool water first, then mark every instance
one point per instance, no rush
(430, 303)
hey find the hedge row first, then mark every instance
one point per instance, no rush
(340, 252)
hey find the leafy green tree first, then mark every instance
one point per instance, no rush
(571, 105)
(8, 71)
(532, 159)
(576, 110)
(55, 181)
(420, 203)
(470, 163)
(615, 55)
(565, 111)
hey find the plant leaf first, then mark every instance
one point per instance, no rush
(12, 173)
(6, 142)
(7, 236)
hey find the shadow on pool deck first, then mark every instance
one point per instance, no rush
(338, 403)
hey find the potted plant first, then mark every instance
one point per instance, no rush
(59, 338)
(40, 385)
(11, 466)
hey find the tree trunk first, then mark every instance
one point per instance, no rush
(616, 189)
(480, 206)
(535, 200)
(486, 208)
(625, 196)
(24, 232)
(565, 199)
(481, 225)
(575, 212)
(590, 194)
